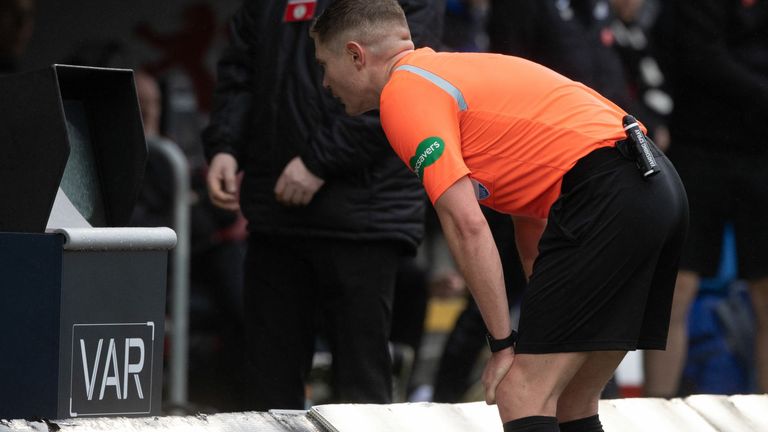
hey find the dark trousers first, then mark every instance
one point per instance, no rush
(292, 286)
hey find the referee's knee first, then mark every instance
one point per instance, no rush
(577, 405)
(523, 389)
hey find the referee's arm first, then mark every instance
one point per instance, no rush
(469, 238)
(471, 243)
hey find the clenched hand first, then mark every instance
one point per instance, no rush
(222, 182)
(297, 185)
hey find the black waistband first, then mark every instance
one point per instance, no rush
(587, 166)
(597, 159)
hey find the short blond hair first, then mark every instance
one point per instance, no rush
(365, 18)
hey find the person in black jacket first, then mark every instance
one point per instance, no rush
(573, 37)
(720, 86)
(329, 205)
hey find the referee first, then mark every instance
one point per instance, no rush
(599, 239)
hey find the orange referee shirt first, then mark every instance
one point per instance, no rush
(513, 126)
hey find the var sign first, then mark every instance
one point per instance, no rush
(111, 368)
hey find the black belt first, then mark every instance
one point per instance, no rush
(590, 164)
(626, 149)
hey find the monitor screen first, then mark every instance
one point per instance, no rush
(80, 181)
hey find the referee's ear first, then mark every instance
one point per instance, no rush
(356, 53)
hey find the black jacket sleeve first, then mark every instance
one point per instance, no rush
(232, 101)
(346, 144)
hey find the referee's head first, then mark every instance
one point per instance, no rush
(356, 43)
(365, 21)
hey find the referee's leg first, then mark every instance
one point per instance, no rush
(547, 389)
(580, 398)
(535, 382)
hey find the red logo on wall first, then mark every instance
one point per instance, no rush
(748, 3)
(300, 10)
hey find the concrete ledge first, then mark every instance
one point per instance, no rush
(701, 413)
(229, 422)
(416, 417)
(745, 413)
(657, 415)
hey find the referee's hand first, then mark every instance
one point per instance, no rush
(495, 370)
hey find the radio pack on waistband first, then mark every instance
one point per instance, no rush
(638, 148)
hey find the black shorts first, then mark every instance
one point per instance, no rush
(607, 263)
(724, 187)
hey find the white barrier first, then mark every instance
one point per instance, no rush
(410, 417)
(657, 415)
(701, 413)
(745, 413)
(229, 422)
